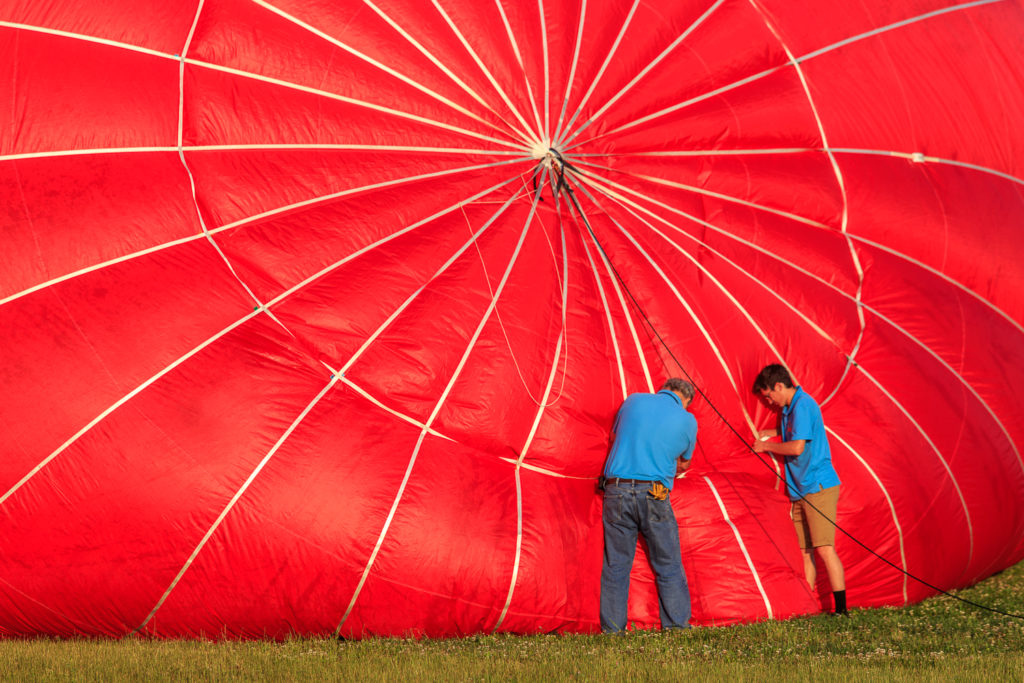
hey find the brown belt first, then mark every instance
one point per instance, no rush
(617, 480)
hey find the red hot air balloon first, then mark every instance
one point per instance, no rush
(315, 316)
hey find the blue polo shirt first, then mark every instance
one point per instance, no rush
(812, 470)
(651, 432)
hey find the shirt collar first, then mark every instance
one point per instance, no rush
(788, 409)
(674, 396)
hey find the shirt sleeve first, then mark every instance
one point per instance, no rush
(803, 421)
(692, 434)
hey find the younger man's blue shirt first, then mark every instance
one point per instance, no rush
(651, 432)
(812, 470)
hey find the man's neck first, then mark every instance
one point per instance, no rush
(788, 393)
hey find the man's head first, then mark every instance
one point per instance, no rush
(683, 389)
(774, 385)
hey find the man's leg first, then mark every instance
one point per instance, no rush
(821, 522)
(810, 571)
(620, 532)
(662, 533)
(803, 536)
(833, 567)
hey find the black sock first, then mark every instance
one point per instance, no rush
(840, 598)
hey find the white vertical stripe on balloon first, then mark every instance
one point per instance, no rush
(486, 72)
(533, 430)
(120, 402)
(373, 62)
(647, 69)
(547, 72)
(437, 409)
(87, 39)
(350, 100)
(267, 214)
(608, 315)
(401, 416)
(522, 67)
(234, 499)
(682, 300)
(572, 71)
(412, 297)
(229, 328)
(619, 198)
(842, 189)
(600, 72)
(191, 179)
(444, 68)
(625, 309)
(938, 453)
(772, 70)
(743, 547)
(888, 499)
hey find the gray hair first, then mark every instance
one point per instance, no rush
(680, 386)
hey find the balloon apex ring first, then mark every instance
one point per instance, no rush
(540, 148)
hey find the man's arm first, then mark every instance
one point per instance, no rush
(788, 448)
(682, 465)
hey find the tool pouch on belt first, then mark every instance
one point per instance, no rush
(658, 491)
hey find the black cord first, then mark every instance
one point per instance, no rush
(560, 170)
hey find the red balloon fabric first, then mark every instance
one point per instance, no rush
(315, 316)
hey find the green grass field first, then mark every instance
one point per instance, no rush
(940, 639)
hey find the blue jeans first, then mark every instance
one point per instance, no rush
(629, 509)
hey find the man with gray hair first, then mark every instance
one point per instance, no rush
(652, 441)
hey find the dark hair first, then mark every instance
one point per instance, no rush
(680, 386)
(771, 375)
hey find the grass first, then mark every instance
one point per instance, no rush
(940, 639)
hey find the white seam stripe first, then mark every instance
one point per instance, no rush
(234, 499)
(742, 545)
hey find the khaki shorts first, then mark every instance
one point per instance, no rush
(815, 528)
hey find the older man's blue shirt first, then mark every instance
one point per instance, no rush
(651, 432)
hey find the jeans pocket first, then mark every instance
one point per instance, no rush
(612, 511)
(659, 511)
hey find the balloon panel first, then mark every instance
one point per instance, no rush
(316, 318)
